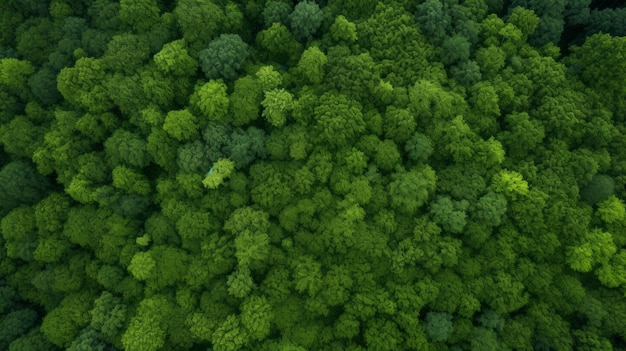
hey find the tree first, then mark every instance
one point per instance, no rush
(181, 124)
(338, 120)
(439, 326)
(14, 74)
(142, 265)
(245, 101)
(342, 29)
(484, 339)
(510, 184)
(596, 247)
(307, 275)
(607, 20)
(33, 340)
(448, 214)
(88, 339)
(607, 77)
(159, 89)
(455, 49)
(399, 124)
(277, 103)
(490, 209)
(276, 11)
(141, 15)
(525, 20)
(612, 210)
(599, 189)
(130, 180)
(199, 21)
(162, 148)
(240, 282)
(20, 183)
(521, 134)
(126, 53)
(410, 191)
(193, 158)
(418, 147)
(221, 170)
(229, 336)
(174, 59)
(256, 317)
(246, 146)
(269, 78)
(491, 60)
(356, 76)
(305, 19)
(279, 44)
(211, 100)
(125, 147)
(432, 19)
(224, 57)
(311, 65)
(145, 331)
(108, 314)
(382, 335)
(82, 85)
(35, 41)
(62, 324)
(16, 323)
(250, 228)
(387, 156)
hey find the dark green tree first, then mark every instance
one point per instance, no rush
(224, 57)
(20, 183)
(599, 189)
(276, 11)
(305, 19)
(199, 21)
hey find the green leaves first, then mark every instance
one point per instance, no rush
(256, 316)
(409, 191)
(108, 314)
(140, 14)
(599, 189)
(311, 65)
(305, 19)
(509, 183)
(338, 120)
(211, 100)
(342, 29)
(174, 59)
(181, 125)
(198, 20)
(142, 265)
(612, 210)
(421, 176)
(250, 228)
(277, 104)
(221, 170)
(450, 215)
(145, 331)
(439, 326)
(224, 57)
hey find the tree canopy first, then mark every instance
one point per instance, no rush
(312, 175)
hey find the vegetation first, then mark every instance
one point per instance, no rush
(317, 175)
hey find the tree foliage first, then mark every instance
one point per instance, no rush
(312, 175)
(224, 57)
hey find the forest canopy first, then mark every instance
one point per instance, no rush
(312, 175)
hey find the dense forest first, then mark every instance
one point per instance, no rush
(317, 175)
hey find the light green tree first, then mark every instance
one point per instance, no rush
(221, 170)
(181, 124)
(142, 265)
(277, 103)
